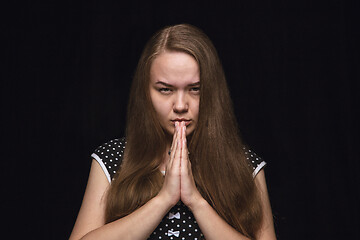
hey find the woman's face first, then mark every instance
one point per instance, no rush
(175, 90)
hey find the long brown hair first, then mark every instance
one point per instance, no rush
(221, 172)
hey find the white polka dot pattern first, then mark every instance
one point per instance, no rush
(110, 156)
(179, 222)
(254, 160)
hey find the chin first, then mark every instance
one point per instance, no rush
(189, 131)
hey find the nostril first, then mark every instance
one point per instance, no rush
(180, 108)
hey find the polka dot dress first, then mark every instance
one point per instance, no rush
(109, 156)
(255, 161)
(179, 223)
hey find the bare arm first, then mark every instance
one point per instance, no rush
(90, 223)
(214, 227)
(267, 230)
(211, 224)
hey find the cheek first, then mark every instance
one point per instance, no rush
(156, 102)
(196, 109)
(162, 108)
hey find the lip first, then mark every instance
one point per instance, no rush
(187, 121)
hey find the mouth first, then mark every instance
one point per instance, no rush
(187, 121)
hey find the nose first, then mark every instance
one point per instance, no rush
(180, 103)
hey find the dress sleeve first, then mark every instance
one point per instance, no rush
(256, 162)
(110, 155)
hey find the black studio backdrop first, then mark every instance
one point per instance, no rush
(293, 72)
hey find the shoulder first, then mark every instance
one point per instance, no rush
(254, 160)
(109, 155)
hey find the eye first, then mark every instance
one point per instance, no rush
(195, 90)
(164, 90)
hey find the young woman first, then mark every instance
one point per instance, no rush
(182, 172)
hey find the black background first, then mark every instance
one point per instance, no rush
(293, 72)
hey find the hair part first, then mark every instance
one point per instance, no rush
(217, 154)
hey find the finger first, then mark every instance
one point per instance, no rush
(174, 136)
(183, 142)
(183, 129)
(176, 144)
(184, 135)
(177, 152)
(184, 156)
(173, 150)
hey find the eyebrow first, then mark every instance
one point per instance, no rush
(169, 85)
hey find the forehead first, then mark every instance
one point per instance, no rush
(175, 68)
